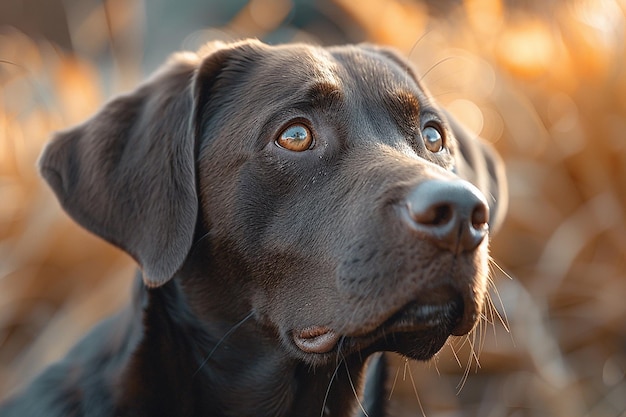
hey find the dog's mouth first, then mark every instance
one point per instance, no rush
(417, 330)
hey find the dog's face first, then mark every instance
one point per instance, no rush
(311, 169)
(324, 146)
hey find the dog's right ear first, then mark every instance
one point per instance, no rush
(128, 173)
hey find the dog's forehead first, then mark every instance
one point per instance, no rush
(380, 79)
(298, 66)
(349, 67)
(322, 66)
(365, 66)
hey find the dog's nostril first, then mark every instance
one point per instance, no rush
(480, 217)
(451, 213)
(433, 216)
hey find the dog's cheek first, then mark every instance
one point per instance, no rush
(236, 206)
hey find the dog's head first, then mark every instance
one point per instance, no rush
(323, 186)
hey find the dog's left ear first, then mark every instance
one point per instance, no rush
(128, 173)
(477, 162)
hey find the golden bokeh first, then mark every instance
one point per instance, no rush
(545, 82)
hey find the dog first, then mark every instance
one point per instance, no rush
(293, 210)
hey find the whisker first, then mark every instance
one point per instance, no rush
(409, 55)
(198, 241)
(228, 333)
(406, 364)
(475, 351)
(493, 313)
(419, 402)
(494, 263)
(443, 93)
(464, 341)
(504, 320)
(456, 357)
(463, 380)
(339, 347)
(330, 384)
(417, 42)
(466, 371)
(477, 338)
(473, 356)
(435, 65)
(435, 361)
(356, 395)
(395, 380)
(488, 315)
(483, 328)
(503, 317)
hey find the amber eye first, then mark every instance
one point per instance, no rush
(433, 139)
(296, 137)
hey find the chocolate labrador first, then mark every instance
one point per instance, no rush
(293, 209)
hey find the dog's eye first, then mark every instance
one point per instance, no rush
(296, 137)
(433, 139)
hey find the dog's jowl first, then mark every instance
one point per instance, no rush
(292, 209)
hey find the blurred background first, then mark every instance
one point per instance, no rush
(543, 80)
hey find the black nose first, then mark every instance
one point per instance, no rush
(453, 214)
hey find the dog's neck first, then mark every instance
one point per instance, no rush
(184, 365)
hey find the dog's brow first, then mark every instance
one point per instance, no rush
(404, 105)
(406, 99)
(324, 94)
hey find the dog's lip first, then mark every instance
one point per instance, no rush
(316, 339)
(415, 317)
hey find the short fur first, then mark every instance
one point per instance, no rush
(246, 247)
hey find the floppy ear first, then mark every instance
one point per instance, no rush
(477, 162)
(128, 173)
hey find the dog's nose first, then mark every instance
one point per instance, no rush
(453, 214)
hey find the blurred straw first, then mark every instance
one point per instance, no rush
(545, 82)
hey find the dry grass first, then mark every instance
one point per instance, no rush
(547, 85)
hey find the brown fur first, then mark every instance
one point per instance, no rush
(247, 248)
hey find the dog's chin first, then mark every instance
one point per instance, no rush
(418, 331)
